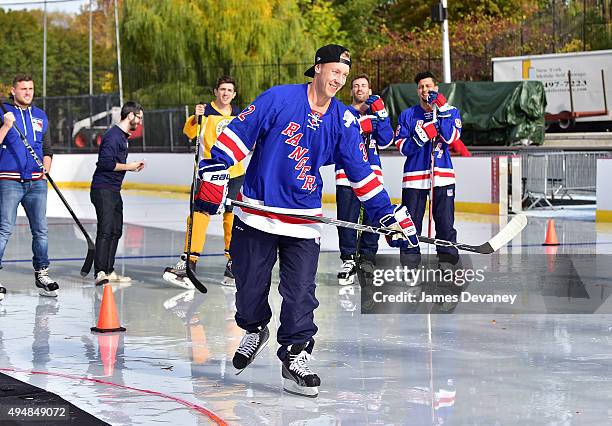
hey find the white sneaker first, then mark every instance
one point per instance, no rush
(113, 276)
(101, 278)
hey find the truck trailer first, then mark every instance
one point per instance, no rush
(577, 86)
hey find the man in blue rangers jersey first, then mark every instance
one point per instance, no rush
(376, 133)
(416, 132)
(293, 131)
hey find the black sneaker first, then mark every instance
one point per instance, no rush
(298, 379)
(47, 286)
(228, 275)
(2, 293)
(250, 346)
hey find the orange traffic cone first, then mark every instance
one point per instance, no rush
(108, 352)
(551, 234)
(108, 320)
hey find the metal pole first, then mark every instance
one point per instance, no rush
(90, 63)
(446, 64)
(554, 27)
(583, 23)
(44, 82)
(119, 77)
(90, 49)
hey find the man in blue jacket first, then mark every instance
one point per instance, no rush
(22, 181)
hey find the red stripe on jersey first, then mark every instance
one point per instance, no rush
(229, 143)
(279, 216)
(370, 186)
(426, 176)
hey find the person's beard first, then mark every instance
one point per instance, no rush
(133, 125)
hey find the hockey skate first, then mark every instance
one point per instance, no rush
(228, 276)
(365, 272)
(177, 274)
(47, 287)
(250, 346)
(347, 272)
(298, 379)
(2, 293)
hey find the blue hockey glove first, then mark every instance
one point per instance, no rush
(377, 107)
(212, 188)
(400, 221)
(435, 98)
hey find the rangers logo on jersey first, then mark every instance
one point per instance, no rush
(37, 124)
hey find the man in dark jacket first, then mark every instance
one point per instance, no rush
(21, 179)
(105, 191)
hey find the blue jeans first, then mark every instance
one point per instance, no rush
(33, 197)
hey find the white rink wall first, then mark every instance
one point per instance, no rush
(604, 195)
(478, 180)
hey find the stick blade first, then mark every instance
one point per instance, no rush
(511, 230)
(89, 259)
(194, 280)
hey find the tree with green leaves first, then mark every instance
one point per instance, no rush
(174, 50)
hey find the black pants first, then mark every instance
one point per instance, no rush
(109, 212)
(347, 208)
(443, 216)
(254, 254)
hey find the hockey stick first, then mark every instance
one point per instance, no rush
(91, 247)
(503, 237)
(190, 274)
(432, 167)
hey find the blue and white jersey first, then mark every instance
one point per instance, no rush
(418, 154)
(381, 138)
(290, 143)
(16, 163)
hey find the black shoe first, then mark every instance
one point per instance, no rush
(2, 293)
(298, 379)
(47, 286)
(250, 346)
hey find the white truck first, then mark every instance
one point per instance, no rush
(577, 84)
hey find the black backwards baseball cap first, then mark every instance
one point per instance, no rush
(327, 54)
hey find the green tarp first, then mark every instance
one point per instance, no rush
(493, 114)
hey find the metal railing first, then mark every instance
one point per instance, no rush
(559, 174)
